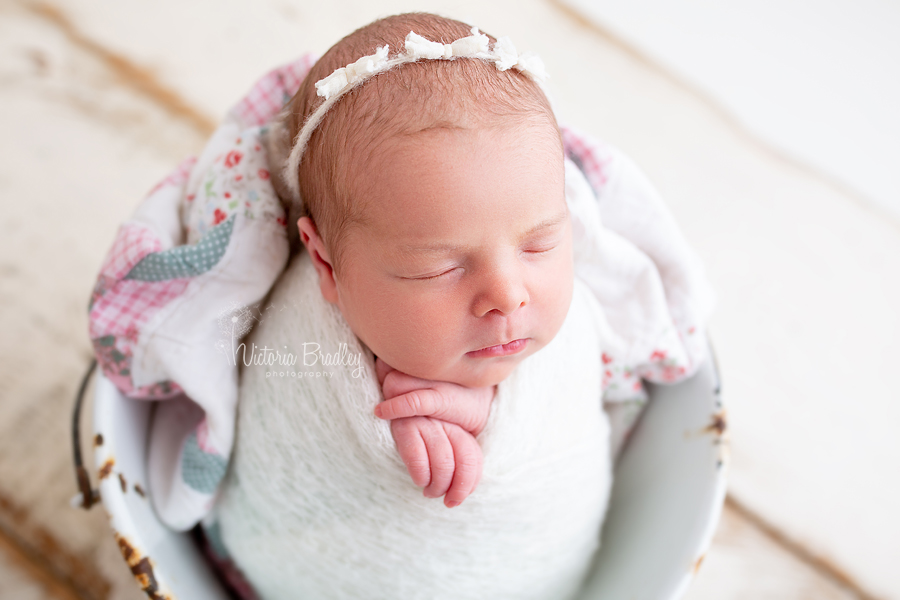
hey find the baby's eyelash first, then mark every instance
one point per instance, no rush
(428, 277)
(541, 248)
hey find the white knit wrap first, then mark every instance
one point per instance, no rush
(318, 503)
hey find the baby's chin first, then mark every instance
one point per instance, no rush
(475, 373)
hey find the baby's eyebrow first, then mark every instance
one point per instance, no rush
(549, 223)
(426, 247)
(443, 247)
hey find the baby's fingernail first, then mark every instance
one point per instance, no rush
(451, 504)
(378, 411)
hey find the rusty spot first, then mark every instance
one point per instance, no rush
(126, 549)
(142, 579)
(698, 562)
(718, 425)
(98, 439)
(89, 496)
(107, 468)
(123, 483)
(141, 568)
(143, 572)
(139, 490)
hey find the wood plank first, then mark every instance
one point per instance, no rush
(82, 143)
(80, 150)
(22, 579)
(744, 563)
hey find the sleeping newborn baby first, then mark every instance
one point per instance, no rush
(438, 250)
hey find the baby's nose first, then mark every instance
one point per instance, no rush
(503, 293)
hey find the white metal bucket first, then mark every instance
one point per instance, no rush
(667, 497)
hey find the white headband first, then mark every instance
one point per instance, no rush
(503, 54)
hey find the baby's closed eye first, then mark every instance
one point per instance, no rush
(434, 273)
(545, 238)
(542, 246)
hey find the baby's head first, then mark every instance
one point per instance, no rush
(434, 207)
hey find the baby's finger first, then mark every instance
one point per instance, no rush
(411, 446)
(440, 457)
(397, 383)
(417, 403)
(468, 459)
(467, 408)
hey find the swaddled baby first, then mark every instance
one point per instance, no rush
(439, 321)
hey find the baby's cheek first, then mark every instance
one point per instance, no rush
(557, 297)
(427, 340)
(414, 355)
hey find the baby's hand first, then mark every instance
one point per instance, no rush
(434, 424)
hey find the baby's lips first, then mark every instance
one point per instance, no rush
(505, 349)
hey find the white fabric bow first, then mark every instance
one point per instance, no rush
(416, 47)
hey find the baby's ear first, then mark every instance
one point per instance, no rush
(320, 258)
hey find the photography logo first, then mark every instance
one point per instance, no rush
(310, 362)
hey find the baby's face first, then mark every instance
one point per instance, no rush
(461, 266)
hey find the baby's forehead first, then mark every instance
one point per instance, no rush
(420, 182)
(426, 108)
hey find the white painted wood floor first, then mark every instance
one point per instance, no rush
(99, 100)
